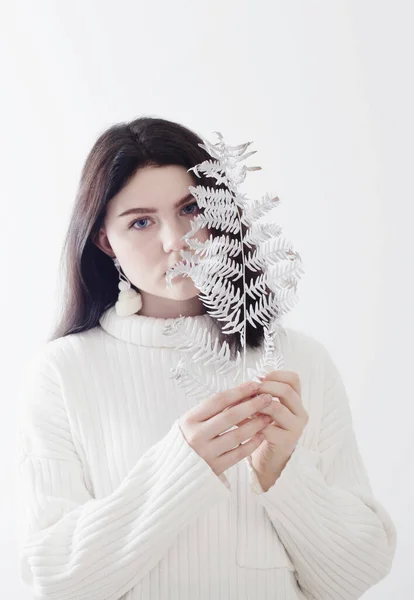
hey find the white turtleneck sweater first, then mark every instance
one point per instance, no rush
(117, 505)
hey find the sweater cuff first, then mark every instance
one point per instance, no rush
(300, 459)
(201, 470)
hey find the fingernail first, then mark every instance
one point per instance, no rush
(267, 398)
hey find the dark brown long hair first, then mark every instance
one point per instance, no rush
(90, 278)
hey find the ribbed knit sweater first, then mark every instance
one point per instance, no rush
(117, 505)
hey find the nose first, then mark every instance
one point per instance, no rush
(172, 235)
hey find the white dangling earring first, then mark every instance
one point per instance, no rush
(129, 301)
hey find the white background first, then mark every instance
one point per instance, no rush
(324, 89)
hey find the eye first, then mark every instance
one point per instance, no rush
(137, 221)
(189, 205)
(193, 204)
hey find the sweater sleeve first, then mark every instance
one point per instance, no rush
(76, 547)
(339, 537)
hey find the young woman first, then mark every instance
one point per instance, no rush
(133, 490)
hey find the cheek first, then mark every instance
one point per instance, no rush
(203, 234)
(135, 246)
(136, 260)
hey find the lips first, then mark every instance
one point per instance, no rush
(185, 261)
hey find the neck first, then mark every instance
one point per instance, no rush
(165, 308)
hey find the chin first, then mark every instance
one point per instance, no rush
(181, 290)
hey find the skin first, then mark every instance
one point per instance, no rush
(288, 420)
(147, 244)
(281, 436)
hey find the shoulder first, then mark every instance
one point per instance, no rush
(54, 356)
(311, 358)
(302, 347)
(323, 391)
(53, 369)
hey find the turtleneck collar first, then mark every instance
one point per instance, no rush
(148, 331)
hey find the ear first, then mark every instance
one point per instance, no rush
(102, 242)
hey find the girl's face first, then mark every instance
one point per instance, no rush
(143, 227)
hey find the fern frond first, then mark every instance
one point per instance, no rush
(197, 347)
(214, 271)
(259, 233)
(217, 298)
(201, 383)
(262, 257)
(283, 271)
(270, 361)
(208, 167)
(216, 246)
(265, 309)
(219, 220)
(194, 383)
(224, 266)
(207, 196)
(199, 344)
(257, 286)
(259, 208)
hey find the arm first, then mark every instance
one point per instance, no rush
(339, 537)
(76, 547)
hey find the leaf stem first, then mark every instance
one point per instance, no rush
(244, 299)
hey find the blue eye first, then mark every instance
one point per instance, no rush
(192, 204)
(146, 218)
(137, 221)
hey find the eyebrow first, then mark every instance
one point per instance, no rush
(140, 210)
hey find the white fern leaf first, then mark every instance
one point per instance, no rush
(208, 167)
(259, 233)
(186, 370)
(214, 270)
(219, 220)
(262, 257)
(282, 271)
(263, 310)
(257, 287)
(221, 307)
(216, 246)
(259, 208)
(197, 344)
(194, 383)
(270, 360)
(207, 197)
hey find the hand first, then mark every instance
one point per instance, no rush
(281, 436)
(205, 427)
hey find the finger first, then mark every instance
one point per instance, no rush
(281, 415)
(276, 436)
(249, 418)
(227, 419)
(228, 459)
(286, 394)
(244, 421)
(221, 401)
(290, 377)
(231, 439)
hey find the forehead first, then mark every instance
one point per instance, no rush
(156, 187)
